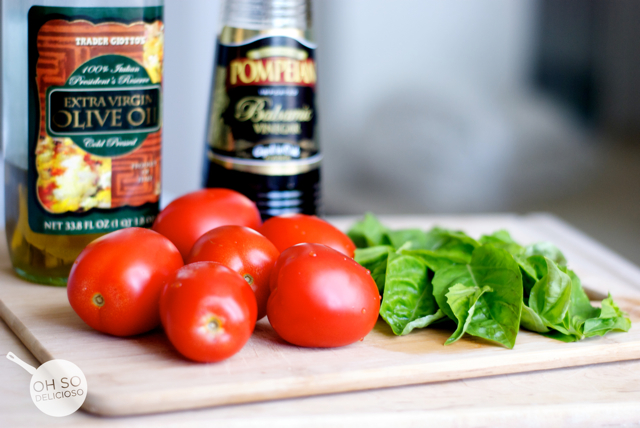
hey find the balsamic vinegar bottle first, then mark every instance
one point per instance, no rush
(262, 136)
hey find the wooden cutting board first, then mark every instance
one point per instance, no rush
(144, 374)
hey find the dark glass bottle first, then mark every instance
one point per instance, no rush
(262, 137)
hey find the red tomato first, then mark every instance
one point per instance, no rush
(208, 311)
(242, 250)
(286, 231)
(116, 281)
(321, 298)
(190, 216)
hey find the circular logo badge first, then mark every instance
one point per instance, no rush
(58, 388)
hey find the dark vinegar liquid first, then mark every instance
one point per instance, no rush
(273, 194)
(262, 139)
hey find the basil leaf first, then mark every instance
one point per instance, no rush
(368, 232)
(408, 238)
(551, 296)
(550, 301)
(408, 293)
(548, 250)
(502, 239)
(436, 260)
(529, 275)
(571, 328)
(423, 322)
(375, 259)
(538, 265)
(611, 318)
(567, 338)
(580, 309)
(438, 239)
(496, 314)
(532, 321)
(462, 300)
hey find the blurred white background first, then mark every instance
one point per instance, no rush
(424, 106)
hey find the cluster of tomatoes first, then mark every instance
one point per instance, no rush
(209, 269)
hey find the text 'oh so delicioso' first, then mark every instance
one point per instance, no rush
(209, 269)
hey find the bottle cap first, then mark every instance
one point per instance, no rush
(267, 14)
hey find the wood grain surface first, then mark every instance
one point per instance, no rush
(144, 374)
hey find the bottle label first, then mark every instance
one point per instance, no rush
(95, 77)
(263, 112)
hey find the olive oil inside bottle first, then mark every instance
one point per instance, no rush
(44, 259)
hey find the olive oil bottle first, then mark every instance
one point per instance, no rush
(81, 125)
(262, 137)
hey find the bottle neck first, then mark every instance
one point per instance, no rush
(230, 35)
(257, 16)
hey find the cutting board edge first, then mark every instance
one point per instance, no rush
(335, 383)
(23, 333)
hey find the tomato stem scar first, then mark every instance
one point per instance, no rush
(214, 325)
(98, 300)
(248, 278)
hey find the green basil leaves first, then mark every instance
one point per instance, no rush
(408, 294)
(484, 296)
(489, 288)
